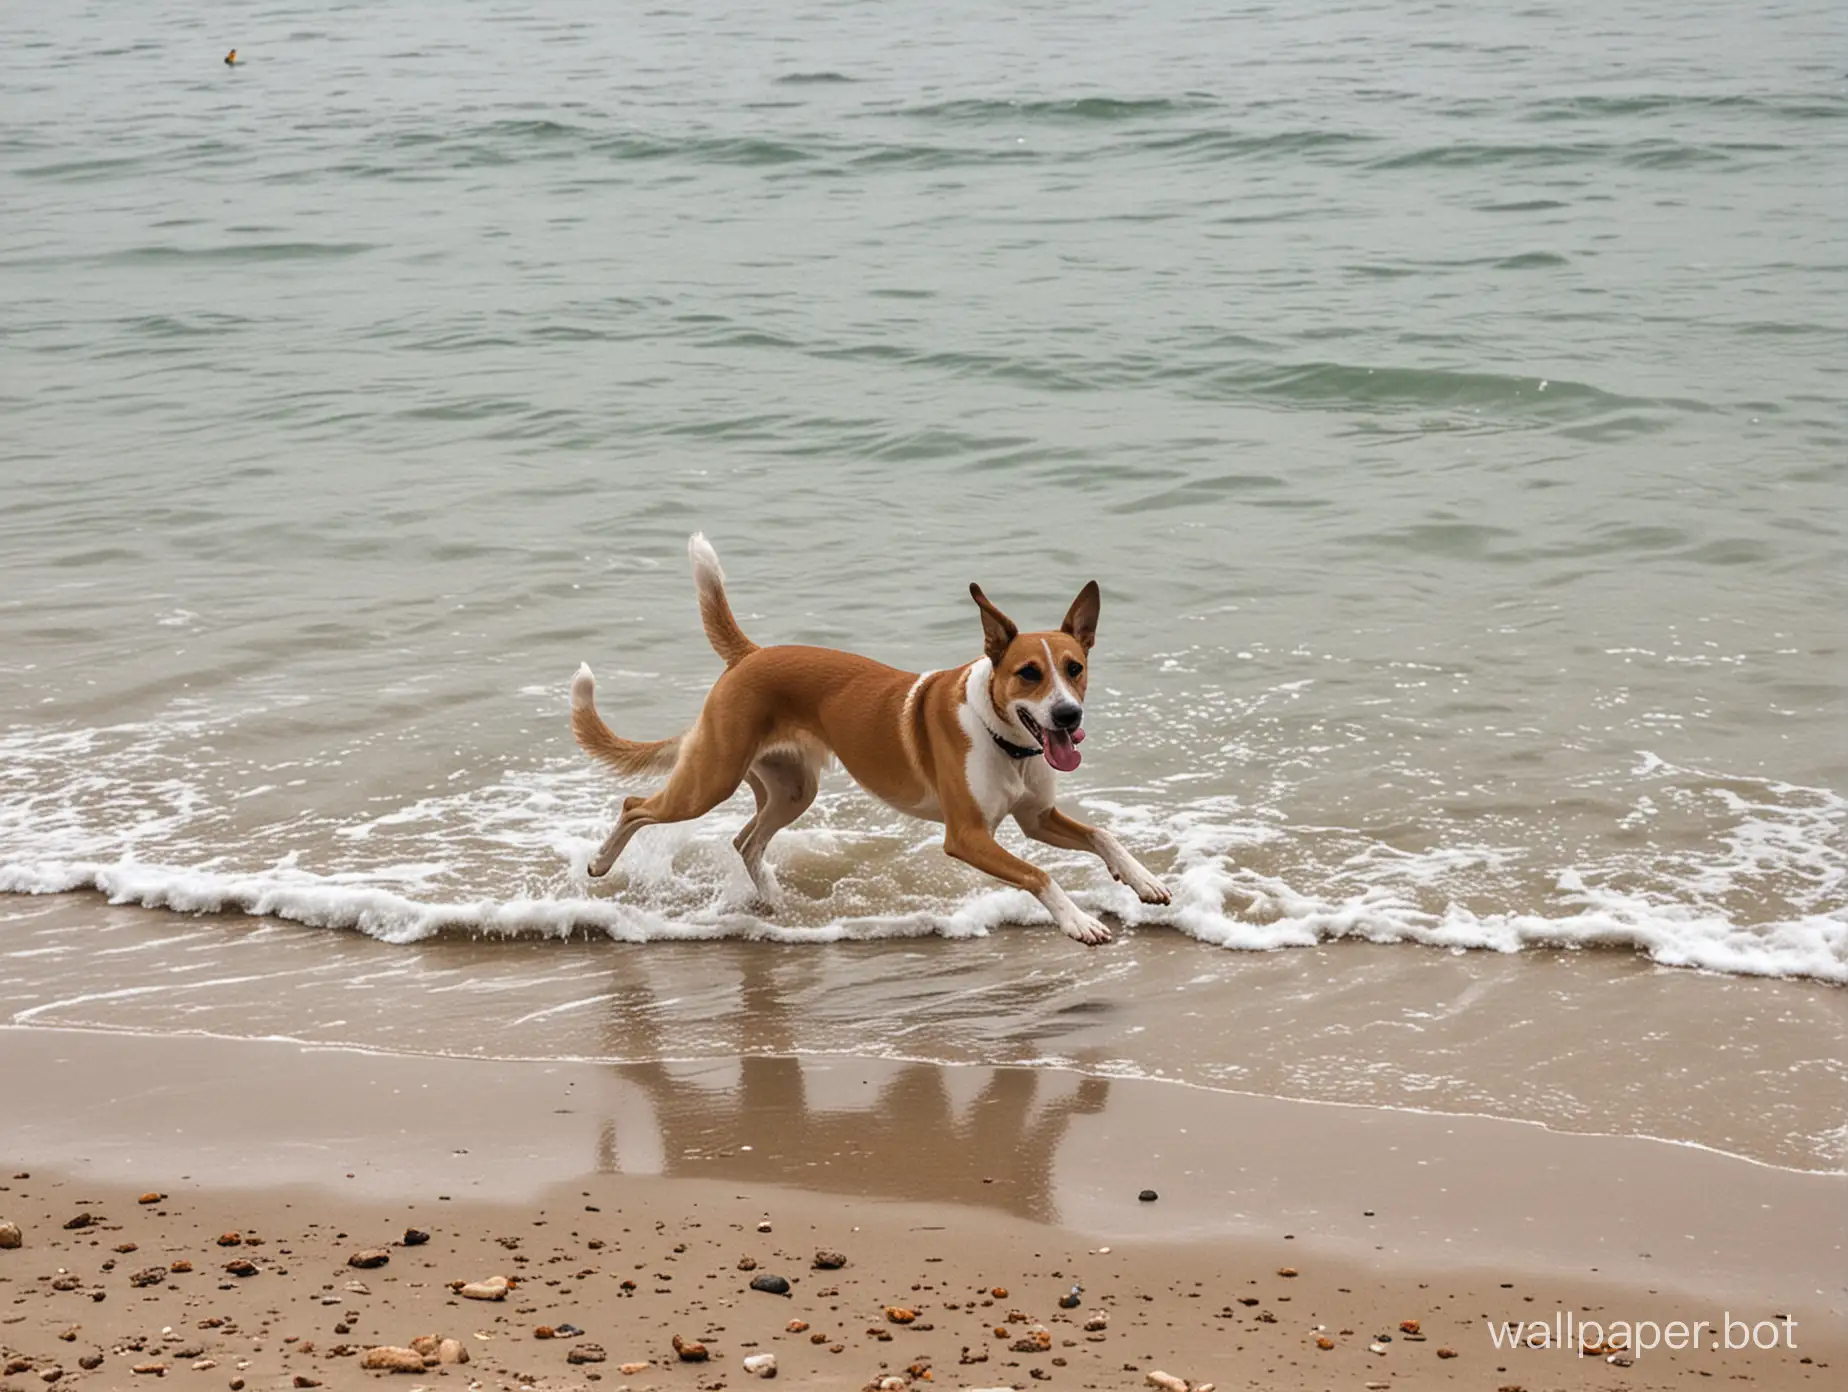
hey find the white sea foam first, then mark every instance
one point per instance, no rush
(1761, 892)
(1216, 901)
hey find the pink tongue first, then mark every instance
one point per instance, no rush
(1062, 749)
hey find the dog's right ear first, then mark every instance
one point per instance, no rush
(997, 628)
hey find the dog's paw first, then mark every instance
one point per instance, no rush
(1148, 889)
(1152, 891)
(1081, 927)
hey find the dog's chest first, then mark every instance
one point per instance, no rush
(1000, 783)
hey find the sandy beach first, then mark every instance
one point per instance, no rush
(630, 1203)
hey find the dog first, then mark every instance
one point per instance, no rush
(965, 747)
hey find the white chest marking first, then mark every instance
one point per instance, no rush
(998, 781)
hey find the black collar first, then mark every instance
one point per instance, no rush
(1015, 751)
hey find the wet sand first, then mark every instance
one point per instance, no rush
(937, 1184)
(1598, 1040)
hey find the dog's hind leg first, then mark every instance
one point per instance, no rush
(762, 794)
(707, 774)
(789, 781)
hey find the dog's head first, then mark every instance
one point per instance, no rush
(1038, 679)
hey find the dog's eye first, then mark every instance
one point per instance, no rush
(1074, 670)
(1029, 674)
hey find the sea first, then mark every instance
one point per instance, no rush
(1448, 399)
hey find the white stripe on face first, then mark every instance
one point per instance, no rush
(1058, 682)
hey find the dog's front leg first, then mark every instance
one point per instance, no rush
(976, 845)
(1050, 825)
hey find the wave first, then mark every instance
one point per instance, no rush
(249, 251)
(1689, 867)
(1279, 916)
(985, 110)
(1237, 884)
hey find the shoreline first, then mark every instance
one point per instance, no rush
(897, 1060)
(1579, 1042)
(936, 1183)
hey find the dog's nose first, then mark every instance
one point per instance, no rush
(1066, 715)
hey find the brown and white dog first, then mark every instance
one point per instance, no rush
(966, 747)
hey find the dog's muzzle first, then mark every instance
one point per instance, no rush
(1059, 741)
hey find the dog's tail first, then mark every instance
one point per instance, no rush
(722, 630)
(605, 745)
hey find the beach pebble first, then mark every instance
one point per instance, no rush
(631, 1369)
(90, 1362)
(1097, 1322)
(770, 1285)
(690, 1350)
(151, 1369)
(424, 1344)
(82, 1220)
(1286, 1271)
(1033, 1341)
(389, 1359)
(1168, 1382)
(1148, 1196)
(243, 1266)
(761, 1365)
(829, 1261)
(369, 1258)
(451, 1351)
(152, 1196)
(586, 1353)
(764, 1226)
(10, 1236)
(415, 1237)
(747, 1263)
(494, 1288)
(890, 1383)
(1446, 1353)
(797, 1327)
(230, 1239)
(149, 1276)
(899, 1314)
(568, 1331)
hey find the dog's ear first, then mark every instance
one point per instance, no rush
(1081, 618)
(997, 628)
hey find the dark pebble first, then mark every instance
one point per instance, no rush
(1148, 1196)
(415, 1237)
(770, 1285)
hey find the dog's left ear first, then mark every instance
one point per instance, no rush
(1081, 618)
